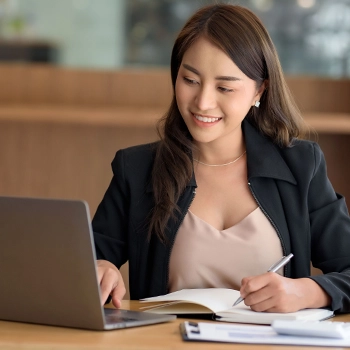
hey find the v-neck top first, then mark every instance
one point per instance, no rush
(204, 257)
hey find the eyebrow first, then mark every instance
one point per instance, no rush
(221, 77)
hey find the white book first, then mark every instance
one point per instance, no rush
(219, 301)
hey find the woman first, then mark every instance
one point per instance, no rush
(230, 188)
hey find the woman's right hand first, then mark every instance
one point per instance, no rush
(111, 282)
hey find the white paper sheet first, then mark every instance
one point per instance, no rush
(208, 331)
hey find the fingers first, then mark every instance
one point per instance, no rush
(268, 292)
(252, 284)
(111, 282)
(272, 292)
(118, 292)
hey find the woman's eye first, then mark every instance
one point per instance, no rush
(222, 89)
(190, 81)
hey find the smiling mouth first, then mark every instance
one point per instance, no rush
(206, 119)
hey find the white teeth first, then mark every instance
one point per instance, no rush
(206, 119)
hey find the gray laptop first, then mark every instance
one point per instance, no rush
(47, 267)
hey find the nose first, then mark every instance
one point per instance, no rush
(206, 98)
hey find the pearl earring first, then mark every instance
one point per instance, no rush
(257, 104)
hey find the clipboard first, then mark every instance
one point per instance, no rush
(248, 334)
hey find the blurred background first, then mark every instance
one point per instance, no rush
(311, 36)
(80, 79)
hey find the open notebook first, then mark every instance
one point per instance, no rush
(219, 301)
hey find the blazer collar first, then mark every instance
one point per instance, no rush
(264, 157)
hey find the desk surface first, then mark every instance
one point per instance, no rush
(15, 335)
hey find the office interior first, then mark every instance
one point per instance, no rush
(80, 79)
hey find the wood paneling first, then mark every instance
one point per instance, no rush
(62, 160)
(317, 94)
(52, 85)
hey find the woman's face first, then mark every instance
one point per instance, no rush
(213, 94)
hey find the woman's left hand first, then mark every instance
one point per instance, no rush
(272, 292)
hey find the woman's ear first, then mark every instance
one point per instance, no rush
(261, 89)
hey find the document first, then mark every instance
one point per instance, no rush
(219, 301)
(247, 334)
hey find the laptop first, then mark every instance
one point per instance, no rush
(48, 270)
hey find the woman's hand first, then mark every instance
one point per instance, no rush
(272, 292)
(111, 282)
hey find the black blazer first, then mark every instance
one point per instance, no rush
(291, 187)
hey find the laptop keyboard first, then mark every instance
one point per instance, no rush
(120, 318)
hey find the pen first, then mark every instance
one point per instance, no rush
(275, 267)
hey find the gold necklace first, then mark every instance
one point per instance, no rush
(234, 161)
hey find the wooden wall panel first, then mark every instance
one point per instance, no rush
(62, 161)
(12, 83)
(316, 94)
(52, 85)
(141, 88)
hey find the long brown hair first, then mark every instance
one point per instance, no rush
(243, 37)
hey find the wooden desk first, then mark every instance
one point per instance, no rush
(15, 335)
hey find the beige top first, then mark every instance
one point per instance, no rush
(204, 257)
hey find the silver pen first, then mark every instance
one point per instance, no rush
(275, 267)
